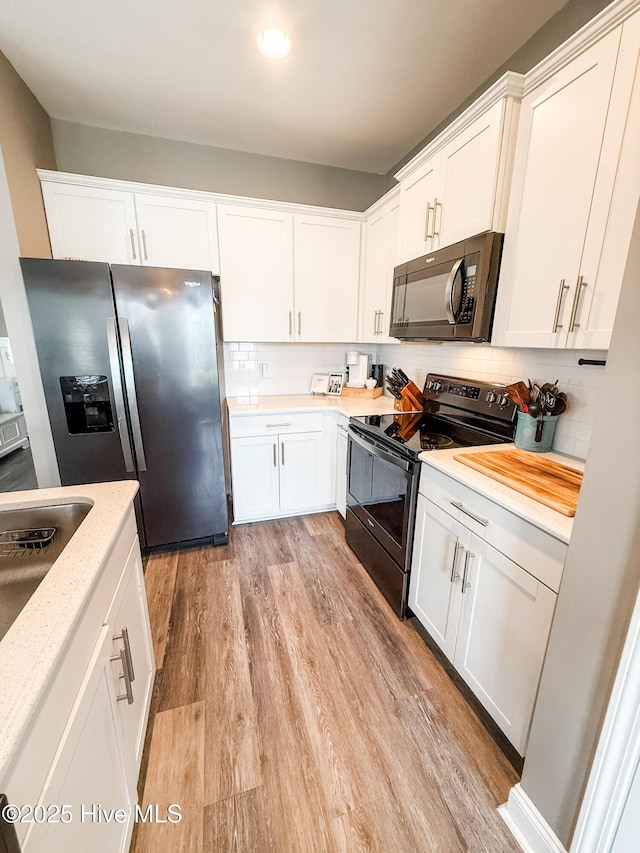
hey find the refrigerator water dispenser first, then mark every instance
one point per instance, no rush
(87, 404)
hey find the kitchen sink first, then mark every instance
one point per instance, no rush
(31, 540)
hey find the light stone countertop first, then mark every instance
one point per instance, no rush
(547, 519)
(34, 644)
(348, 406)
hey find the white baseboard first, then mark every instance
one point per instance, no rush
(526, 824)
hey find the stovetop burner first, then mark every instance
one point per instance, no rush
(434, 441)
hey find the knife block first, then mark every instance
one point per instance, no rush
(412, 399)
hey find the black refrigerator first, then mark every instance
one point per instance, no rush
(129, 361)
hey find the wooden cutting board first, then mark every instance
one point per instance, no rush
(549, 482)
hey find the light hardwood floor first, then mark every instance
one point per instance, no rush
(294, 713)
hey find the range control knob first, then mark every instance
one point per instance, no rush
(491, 396)
(503, 400)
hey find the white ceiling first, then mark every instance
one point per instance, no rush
(365, 82)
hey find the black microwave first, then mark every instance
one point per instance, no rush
(450, 294)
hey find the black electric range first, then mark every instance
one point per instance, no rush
(383, 469)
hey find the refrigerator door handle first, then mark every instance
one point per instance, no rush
(130, 383)
(118, 396)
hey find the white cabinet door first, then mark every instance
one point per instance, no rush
(89, 768)
(256, 265)
(418, 192)
(179, 233)
(341, 470)
(131, 632)
(560, 141)
(301, 485)
(467, 184)
(327, 265)
(91, 224)
(381, 239)
(502, 639)
(434, 586)
(254, 472)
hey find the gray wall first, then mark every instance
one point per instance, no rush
(599, 584)
(134, 157)
(563, 24)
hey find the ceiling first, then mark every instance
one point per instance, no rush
(365, 82)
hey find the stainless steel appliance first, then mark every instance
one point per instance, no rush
(449, 294)
(383, 468)
(129, 363)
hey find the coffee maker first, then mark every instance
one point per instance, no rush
(358, 369)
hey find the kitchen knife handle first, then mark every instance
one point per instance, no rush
(130, 384)
(118, 396)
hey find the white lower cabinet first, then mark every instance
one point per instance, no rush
(90, 771)
(489, 615)
(280, 465)
(81, 755)
(342, 446)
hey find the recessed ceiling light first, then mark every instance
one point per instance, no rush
(274, 43)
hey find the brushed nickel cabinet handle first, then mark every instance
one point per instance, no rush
(456, 551)
(275, 456)
(299, 323)
(427, 235)
(580, 285)
(290, 323)
(556, 320)
(128, 690)
(462, 508)
(133, 244)
(436, 204)
(273, 426)
(144, 245)
(282, 453)
(380, 332)
(375, 322)
(467, 559)
(124, 636)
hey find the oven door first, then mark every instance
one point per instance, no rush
(382, 488)
(427, 302)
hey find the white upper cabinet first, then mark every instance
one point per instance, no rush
(179, 233)
(327, 263)
(96, 223)
(575, 190)
(458, 186)
(91, 223)
(256, 265)
(380, 246)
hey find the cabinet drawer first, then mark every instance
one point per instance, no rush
(539, 553)
(275, 424)
(9, 432)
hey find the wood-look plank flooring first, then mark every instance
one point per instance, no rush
(294, 713)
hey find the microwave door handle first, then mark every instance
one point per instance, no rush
(448, 294)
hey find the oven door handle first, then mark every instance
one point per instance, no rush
(448, 294)
(378, 451)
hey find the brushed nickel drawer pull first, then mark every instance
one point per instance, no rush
(462, 508)
(273, 426)
(128, 691)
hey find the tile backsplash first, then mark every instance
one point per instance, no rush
(288, 369)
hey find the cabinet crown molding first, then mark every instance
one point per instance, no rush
(510, 85)
(195, 195)
(612, 16)
(394, 192)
